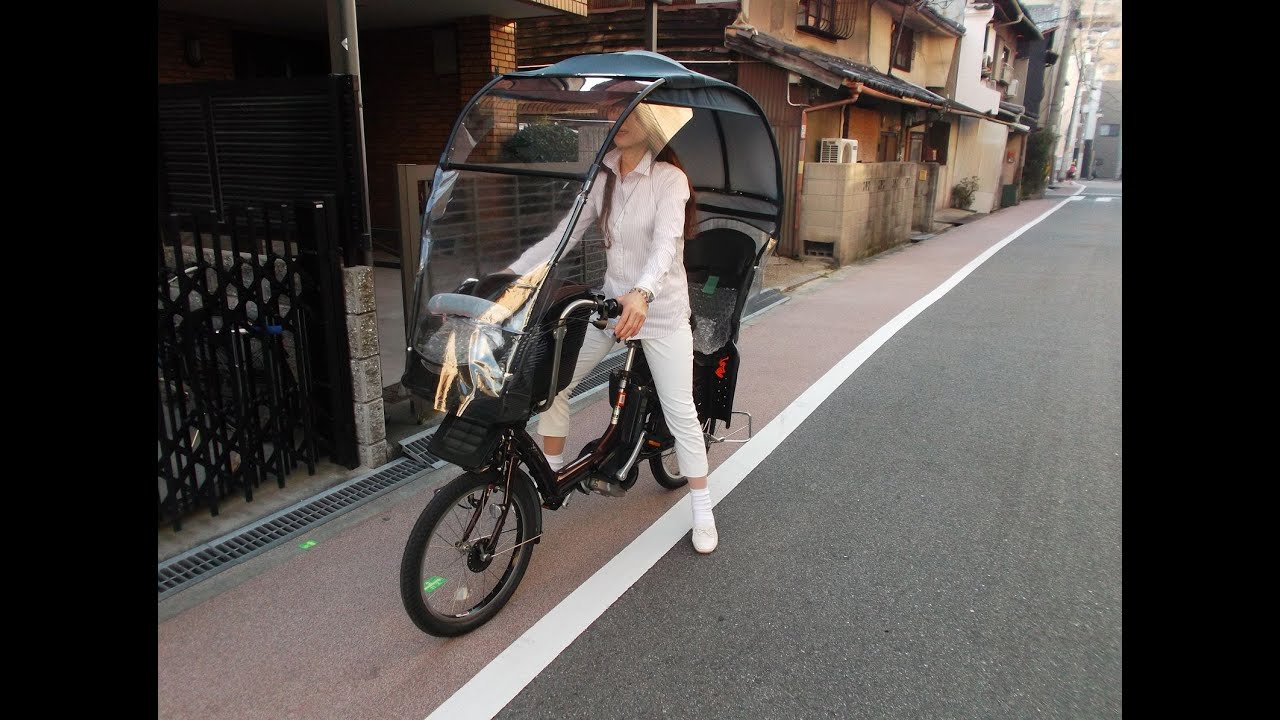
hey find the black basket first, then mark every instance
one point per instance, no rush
(464, 442)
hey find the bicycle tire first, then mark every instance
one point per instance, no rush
(667, 478)
(670, 478)
(417, 588)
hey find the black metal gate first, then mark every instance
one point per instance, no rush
(252, 356)
(252, 347)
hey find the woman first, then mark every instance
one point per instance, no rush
(644, 204)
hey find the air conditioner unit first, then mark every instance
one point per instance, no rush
(838, 150)
(1012, 89)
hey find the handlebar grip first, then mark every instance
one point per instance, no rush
(608, 308)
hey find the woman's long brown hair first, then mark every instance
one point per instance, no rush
(666, 155)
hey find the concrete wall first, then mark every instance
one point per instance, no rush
(1106, 148)
(970, 87)
(926, 199)
(778, 18)
(980, 151)
(947, 173)
(930, 59)
(859, 209)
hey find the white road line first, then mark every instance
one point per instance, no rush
(507, 674)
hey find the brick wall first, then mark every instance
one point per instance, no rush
(215, 42)
(408, 110)
(857, 210)
(486, 45)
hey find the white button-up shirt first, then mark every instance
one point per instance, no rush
(646, 220)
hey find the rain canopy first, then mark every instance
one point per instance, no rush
(522, 161)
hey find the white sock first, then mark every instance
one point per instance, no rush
(702, 516)
(555, 461)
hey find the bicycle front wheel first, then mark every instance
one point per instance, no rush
(459, 568)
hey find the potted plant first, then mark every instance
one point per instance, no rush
(963, 192)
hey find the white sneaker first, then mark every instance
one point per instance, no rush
(705, 539)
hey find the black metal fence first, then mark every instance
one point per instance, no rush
(252, 359)
(263, 141)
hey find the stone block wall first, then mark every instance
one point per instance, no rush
(852, 211)
(366, 368)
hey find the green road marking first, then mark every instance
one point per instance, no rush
(307, 544)
(433, 584)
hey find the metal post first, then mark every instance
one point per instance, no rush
(651, 25)
(344, 59)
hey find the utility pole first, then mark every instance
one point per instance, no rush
(344, 59)
(1064, 62)
(1088, 71)
(1091, 121)
(651, 23)
(1073, 126)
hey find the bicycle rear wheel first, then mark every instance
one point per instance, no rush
(453, 581)
(665, 468)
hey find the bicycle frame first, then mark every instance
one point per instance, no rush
(554, 486)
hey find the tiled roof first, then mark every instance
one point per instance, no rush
(845, 67)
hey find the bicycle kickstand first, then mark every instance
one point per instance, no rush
(716, 439)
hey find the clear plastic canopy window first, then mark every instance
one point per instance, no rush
(512, 180)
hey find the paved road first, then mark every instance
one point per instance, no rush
(941, 538)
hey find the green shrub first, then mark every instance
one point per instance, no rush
(543, 142)
(962, 193)
(1036, 168)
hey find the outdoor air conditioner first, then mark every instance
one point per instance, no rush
(838, 150)
(1012, 89)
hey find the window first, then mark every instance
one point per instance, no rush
(1109, 130)
(1109, 68)
(917, 146)
(1110, 43)
(828, 18)
(905, 49)
(937, 139)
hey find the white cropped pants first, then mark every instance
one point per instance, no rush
(671, 361)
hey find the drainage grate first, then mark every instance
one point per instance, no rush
(416, 447)
(600, 375)
(217, 555)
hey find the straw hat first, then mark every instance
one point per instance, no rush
(661, 122)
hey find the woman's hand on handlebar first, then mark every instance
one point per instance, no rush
(634, 312)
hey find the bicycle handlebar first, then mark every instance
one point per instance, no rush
(605, 308)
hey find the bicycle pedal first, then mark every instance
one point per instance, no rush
(606, 488)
